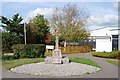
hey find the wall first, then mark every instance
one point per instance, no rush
(119, 42)
(48, 38)
(103, 45)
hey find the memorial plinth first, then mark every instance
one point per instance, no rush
(57, 58)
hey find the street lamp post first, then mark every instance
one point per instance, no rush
(24, 32)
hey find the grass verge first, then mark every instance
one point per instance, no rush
(8, 64)
(84, 61)
(117, 63)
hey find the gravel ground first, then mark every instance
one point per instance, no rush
(56, 69)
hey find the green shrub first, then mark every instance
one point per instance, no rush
(117, 53)
(8, 40)
(114, 54)
(29, 50)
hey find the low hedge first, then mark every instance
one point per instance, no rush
(114, 54)
(29, 50)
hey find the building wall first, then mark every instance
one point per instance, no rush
(48, 38)
(103, 45)
(119, 42)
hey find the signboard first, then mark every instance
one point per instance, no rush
(49, 46)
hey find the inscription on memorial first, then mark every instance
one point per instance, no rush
(57, 56)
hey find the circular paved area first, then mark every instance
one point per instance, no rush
(44, 69)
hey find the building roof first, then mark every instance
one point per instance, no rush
(105, 31)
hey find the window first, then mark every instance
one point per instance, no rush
(114, 36)
(114, 42)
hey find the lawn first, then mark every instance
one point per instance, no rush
(8, 64)
(117, 63)
(83, 61)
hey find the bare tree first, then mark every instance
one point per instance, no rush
(69, 23)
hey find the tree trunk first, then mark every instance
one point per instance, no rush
(65, 45)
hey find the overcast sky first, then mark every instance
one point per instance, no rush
(102, 14)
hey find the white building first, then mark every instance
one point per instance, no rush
(107, 39)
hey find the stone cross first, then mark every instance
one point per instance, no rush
(57, 42)
(57, 56)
